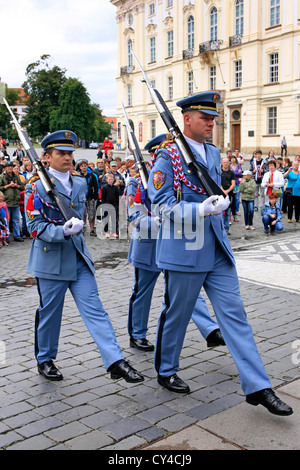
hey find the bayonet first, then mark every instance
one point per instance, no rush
(209, 185)
(136, 152)
(66, 211)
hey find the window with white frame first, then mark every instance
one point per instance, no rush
(169, 3)
(212, 77)
(237, 74)
(152, 128)
(274, 12)
(239, 17)
(190, 83)
(170, 44)
(151, 9)
(190, 32)
(213, 24)
(129, 95)
(272, 120)
(152, 49)
(273, 68)
(170, 88)
(129, 52)
(152, 83)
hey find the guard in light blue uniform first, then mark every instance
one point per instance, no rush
(190, 216)
(60, 260)
(142, 256)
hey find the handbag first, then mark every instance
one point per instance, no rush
(289, 191)
(277, 191)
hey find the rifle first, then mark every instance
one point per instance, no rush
(209, 185)
(66, 211)
(136, 152)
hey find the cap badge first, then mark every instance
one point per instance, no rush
(67, 135)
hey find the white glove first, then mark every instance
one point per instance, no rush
(157, 220)
(72, 226)
(209, 206)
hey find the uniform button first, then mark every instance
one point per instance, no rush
(179, 232)
(45, 248)
(189, 171)
(72, 204)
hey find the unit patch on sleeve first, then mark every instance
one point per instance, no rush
(159, 179)
(130, 200)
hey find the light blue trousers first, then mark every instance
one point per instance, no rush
(222, 287)
(49, 315)
(140, 302)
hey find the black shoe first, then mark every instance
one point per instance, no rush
(268, 399)
(215, 338)
(141, 343)
(18, 239)
(49, 370)
(125, 371)
(173, 383)
(93, 233)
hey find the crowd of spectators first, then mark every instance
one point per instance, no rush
(106, 184)
(269, 186)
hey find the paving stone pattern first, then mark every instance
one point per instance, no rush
(88, 410)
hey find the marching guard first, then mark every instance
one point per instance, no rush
(180, 201)
(142, 256)
(60, 260)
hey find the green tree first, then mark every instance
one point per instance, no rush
(42, 87)
(75, 112)
(57, 102)
(101, 127)
(12, 96)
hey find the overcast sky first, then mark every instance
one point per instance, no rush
(80, 36)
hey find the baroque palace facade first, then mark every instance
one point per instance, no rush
(247, 50)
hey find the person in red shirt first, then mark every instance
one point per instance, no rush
(107, 145)
(4, 221)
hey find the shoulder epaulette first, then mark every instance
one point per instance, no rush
(33, 179)
(166, 143)
(134, 180)
(75, 173)
(210, 143)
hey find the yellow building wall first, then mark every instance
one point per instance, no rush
(252, 99)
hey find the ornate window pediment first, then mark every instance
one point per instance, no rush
(188, 9)
(151, 28)
(128, 31)
(168, 21)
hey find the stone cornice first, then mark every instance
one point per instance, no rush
(168, 21)
(151, 28)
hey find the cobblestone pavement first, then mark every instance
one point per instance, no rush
(88, 410)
